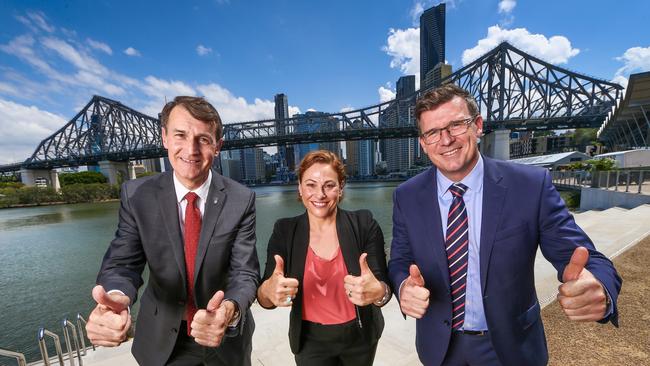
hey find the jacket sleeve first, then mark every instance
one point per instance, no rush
(124, 260)
(243, 276)
(560, 236)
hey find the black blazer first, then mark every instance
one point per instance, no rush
(358, 233)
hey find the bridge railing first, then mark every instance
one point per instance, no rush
(622, 180)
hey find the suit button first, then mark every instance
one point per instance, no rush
(446, 322)
(181, 302)
(174, 330)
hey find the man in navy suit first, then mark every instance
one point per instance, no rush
(465, 235)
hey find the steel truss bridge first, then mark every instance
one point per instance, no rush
(513, 90)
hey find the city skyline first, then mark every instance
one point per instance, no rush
(328, 58)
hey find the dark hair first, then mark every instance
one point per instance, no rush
(324, 157)
(443, 94)
(198, 107)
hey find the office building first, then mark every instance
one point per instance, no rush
(432, 40)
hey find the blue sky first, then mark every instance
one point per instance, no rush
(327, 55)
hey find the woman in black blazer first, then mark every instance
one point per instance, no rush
(329, 265)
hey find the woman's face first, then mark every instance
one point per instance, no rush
(320, 190)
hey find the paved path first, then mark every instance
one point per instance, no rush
(613, 231)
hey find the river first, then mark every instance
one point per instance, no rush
(50, 255)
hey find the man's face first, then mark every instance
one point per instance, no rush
(191, 147)
(454, 156)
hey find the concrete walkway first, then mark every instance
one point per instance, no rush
(613, 231)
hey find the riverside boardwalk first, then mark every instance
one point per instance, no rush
(613, 231)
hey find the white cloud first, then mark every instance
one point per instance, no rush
(23, 48)
(506, 6)
(36, 22)
(39, 19)
(635, 59)
(346, 109)
(293, 110)
(419, 6)
(22, 128)
(160, 91)
(101, 46)
(236, 109)
(556, 49)
(132, 52)
(74, 56)
(385, 94)
(403, 45)
(621, 80)
(416, 12)
(201, 50)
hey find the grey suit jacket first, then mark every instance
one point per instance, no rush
(149, 233)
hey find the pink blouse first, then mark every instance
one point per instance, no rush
(324, 297)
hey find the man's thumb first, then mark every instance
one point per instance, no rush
(279, 265)
(215, 301)
(577, 263)
(102, 298)
(415, 277)
(363, 264)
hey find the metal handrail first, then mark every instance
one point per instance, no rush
(19, 357)
(81, 326)
(42, 332)
(68, 325)
(623, 180)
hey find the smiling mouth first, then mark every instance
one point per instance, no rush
(450, 152)
(189, 161)
(319, 204)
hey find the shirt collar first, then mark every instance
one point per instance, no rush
(202, 191)
(473, 180)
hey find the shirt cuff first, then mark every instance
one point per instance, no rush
(115, 291)
(610, 305)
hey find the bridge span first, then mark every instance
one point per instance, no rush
(514, 91)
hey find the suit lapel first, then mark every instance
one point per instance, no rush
(427, 199)
(494, 194)
(300, 246)
(348, 245)
(169, 211)
(213, 206)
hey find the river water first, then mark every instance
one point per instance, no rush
(49, 256)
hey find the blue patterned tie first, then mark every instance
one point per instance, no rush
(456, 244)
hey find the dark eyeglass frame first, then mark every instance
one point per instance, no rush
(434, 135)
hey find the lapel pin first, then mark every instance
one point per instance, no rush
(216, 200)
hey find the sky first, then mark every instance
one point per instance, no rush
(328, 56)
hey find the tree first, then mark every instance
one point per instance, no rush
(81, 178)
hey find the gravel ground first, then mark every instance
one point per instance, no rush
(572, 343)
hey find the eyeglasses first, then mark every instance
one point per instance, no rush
(454, 128)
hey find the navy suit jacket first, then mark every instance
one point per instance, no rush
(521, 211)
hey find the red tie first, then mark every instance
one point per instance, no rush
(192, 234)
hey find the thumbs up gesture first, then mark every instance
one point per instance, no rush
(277, 290)
(581, 296)
(414, 297)
(209, 324)
(109, 322)
(364, 289)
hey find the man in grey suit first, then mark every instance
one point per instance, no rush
(196, 232)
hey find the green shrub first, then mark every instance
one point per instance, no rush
(11, 185)
(89, 192)
(36, 195)
(89, 177)
(571, 198)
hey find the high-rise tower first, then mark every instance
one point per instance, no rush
(432, 40)
(285, 152)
